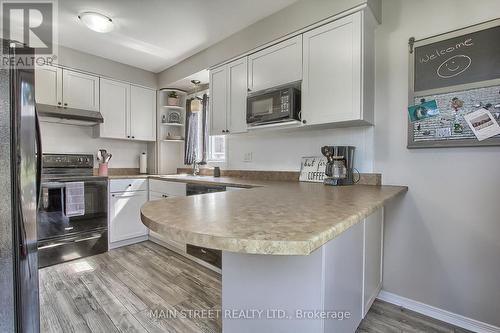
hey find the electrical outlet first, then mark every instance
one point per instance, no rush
(247, 157)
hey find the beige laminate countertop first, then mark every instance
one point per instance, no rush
(274, 217)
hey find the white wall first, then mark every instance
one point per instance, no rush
(282, 151)
(87, 62)
(442, 244)
(58, 138)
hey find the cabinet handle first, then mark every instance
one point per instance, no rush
(128, 136)
(65, 104)
(112, 195)
(249, 89)
(223, 131)
(304, 121)
(129, 185)
(227, 131)
(133, 137)
(203, 251)
(59, 103)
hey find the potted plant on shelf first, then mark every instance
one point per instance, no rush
(173, 99)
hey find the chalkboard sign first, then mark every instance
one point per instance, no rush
(460, 71)
(457, 58)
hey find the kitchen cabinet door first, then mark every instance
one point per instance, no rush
(156, 196)
(115, 108)
(275, 65)
(237, 96)
(331, 87)
(125, 220)
(218, 100)
(48, 85)
(142, 114)
(171, 189)
(80, 91)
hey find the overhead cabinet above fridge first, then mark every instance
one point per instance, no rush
(333, 64)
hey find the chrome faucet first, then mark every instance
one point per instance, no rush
(196, 168)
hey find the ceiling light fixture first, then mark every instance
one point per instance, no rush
(97, 22)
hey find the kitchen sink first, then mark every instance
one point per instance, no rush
(194, 189)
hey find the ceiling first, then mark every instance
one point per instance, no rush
(156, 34)
(186, 84)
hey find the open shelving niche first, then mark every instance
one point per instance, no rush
(170, 152)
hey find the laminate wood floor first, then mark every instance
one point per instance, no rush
(138, 288)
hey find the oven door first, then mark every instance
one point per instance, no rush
(52, 219)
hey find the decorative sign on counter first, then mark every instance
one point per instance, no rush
(452, 77)
(312, 169)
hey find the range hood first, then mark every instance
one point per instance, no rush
(54, 114)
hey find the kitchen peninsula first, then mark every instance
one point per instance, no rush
(289, 249)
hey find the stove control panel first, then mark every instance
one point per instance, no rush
(68, 161)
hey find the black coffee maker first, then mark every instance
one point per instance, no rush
(340, 165)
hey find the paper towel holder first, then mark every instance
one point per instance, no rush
(143, 163)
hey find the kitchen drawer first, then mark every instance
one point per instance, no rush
(158, 195)
(55, 251)
(169, 188)
(211, 256)
(128, 185)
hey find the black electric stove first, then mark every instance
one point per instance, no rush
(65, 234)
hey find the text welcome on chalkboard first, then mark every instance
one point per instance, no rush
(469, 58)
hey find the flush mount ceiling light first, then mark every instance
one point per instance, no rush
(97, 22)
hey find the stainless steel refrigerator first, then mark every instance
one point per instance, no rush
(20, 166)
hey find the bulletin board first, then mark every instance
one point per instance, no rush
(459, 71)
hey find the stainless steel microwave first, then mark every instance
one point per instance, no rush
(274, 105)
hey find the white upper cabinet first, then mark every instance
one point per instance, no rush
(237, 96)
(80, 91)
(48, 85)
(129, 111)
(66, 88)
(228, 98)
(338, 73)
(142, 113)
(218, 100)
(115, 108)
(275, 65)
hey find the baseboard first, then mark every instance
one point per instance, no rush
(367, 306)
(126, 242)
(439, 314)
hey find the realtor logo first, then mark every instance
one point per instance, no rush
(29, 23)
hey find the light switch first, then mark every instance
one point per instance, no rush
(247, 157)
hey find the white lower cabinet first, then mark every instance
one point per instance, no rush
(160, 189)
(125, 225)
(166, 188)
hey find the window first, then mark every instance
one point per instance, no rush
(217, 148)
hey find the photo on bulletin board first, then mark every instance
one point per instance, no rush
(451, 76)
